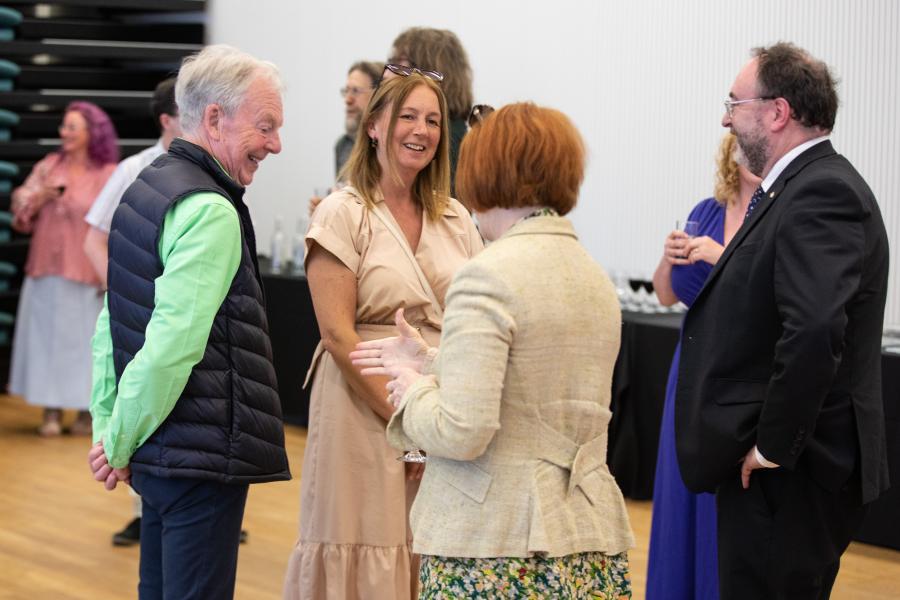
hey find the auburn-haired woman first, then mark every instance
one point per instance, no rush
(513, 410)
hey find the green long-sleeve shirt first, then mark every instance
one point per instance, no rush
(200, 248)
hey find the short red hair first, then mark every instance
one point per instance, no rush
(521, 155)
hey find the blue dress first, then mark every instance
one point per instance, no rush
(682, 563)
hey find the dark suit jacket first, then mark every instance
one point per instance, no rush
(782, 346)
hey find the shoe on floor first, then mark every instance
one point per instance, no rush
(129, 536)
(52, 425)
(82, 425)
(50, 429)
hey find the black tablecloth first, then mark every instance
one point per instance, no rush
(638, 393)
(295, 334)
(639, 389)
(639, 386)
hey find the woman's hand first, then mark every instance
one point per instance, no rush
(403, 377)
(675, 248)
(704, 249)
(389, 355)
(25, 207)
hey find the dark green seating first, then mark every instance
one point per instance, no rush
(8, 169)
(8, 118)
(9, 69)
(9, 17)
(7, 272)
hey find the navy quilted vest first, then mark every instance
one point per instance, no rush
(226, 425)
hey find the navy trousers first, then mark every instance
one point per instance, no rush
(190, 533)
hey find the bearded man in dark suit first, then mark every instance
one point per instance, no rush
(778, 406)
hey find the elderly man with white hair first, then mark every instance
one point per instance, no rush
(185, 400)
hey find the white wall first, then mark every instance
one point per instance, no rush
(643, 81)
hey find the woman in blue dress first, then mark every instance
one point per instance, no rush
(682, 563)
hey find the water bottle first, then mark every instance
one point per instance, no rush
(277, 246)
(299, 245)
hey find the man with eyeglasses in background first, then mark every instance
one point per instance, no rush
(778, 407)
(362, 78)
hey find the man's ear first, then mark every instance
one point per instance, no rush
(212, 121)
(783, 112)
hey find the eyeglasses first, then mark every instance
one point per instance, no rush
(404, 71)
(354, 91)
(478, 114)
(730, 104)
(69, 128)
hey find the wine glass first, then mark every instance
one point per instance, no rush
(690, 228)
(413, 456)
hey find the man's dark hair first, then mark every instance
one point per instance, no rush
(163, 102)
(373, 69)
(786, 71)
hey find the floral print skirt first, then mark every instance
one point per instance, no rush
(589, 575)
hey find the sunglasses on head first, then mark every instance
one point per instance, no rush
(404, 71)
(478, 114)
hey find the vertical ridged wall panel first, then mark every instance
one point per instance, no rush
(669, 65)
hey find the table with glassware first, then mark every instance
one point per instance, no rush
(649, 336)
(639, 384)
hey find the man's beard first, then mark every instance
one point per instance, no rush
(755, 148)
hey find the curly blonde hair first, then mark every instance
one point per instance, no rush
(728, 180)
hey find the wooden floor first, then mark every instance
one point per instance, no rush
(56, 523)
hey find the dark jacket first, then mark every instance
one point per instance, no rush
(226, 425)
(782, 347)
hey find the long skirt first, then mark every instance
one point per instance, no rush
(51, 354)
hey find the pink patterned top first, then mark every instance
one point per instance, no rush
(59, 229)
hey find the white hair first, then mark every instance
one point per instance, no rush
(218, 74)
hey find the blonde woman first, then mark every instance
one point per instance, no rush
(392, 238)
(683, 561)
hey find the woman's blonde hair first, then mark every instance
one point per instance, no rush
(431, 189)
(728, 179)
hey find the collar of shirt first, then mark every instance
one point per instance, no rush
(785, 160)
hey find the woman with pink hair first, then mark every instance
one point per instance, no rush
(61, 295)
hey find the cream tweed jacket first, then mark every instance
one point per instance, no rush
(514, 413)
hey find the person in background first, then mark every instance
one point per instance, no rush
(778, 404)
(357, 91)
(61, 298)
(682, 563)
(185, 399)
(513, 410)
(440, 50)
(361, 80)
(99, 217)
(392, 238)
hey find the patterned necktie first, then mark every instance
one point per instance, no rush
(757, 196)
